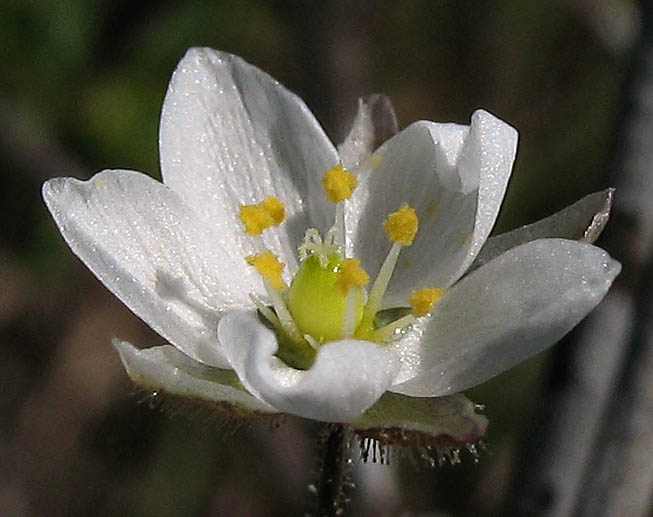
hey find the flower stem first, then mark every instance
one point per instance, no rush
(333, 473)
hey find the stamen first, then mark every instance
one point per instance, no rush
(311, 341)
(269, 267)
(351, 275)
(423, 300)
(377, 291)
(285, 319)
(256, 218)
(339, 183)
(266, 311)
(402, 225)
(385, 334)
(349, 318)
(275, 208)
(338, 228)
(334, 240)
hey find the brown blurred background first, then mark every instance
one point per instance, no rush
(81, 87)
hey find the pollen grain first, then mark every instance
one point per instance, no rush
(351, 275)
(402, 225)
(269, 267)
(256, 218)
(339, 183)
(275, 207)
(423, 300)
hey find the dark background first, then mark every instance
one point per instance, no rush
(81, 88)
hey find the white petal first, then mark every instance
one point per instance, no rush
(165, 369)
(504, 312)
(485, 161)
(584, 220)
(147, 248)
(454, 177)
(347, 377)
(417, 168)
(230, 134)
(375, 122)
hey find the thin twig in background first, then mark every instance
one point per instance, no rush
(619, 478)
(592, 450)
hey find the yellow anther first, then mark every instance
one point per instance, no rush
(423, 300)
(275, 208)
(269, 267)
(257, 218)
(402, 225)
(339, 183)
(352, 275)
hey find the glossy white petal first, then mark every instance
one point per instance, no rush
(375, 122)
(584, 220)
(230, 134)
(417, 167)
(164, 369)
(348, 376)
(454, 177)
(153, 253)
(359, 143)
(504, 312)
(488, 155)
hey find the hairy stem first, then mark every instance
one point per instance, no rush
(333, 473)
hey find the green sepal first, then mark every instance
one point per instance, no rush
(166, 370)
(443, 422)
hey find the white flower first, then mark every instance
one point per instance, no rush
(177, 255)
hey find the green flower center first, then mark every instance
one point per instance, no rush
(317, 301)
(326, 299)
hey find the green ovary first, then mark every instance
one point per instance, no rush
(316, 301)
